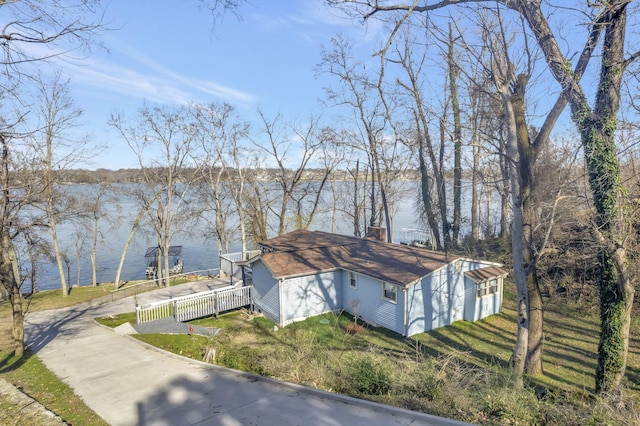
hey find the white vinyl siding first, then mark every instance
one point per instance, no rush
(266, 296)
(311, 295)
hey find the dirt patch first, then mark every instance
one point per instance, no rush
(353, 328)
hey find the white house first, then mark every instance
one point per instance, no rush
(406, 289)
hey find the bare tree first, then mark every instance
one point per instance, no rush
(291, 157)
(163, 139)
(9, 268)
(220, 133)
(377, 137)
(61, 26)
(94, 215)
(597, 125)
(58, 117)
(146, 201)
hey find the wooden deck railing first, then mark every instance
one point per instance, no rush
(197, 305)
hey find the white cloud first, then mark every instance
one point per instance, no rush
(156, 82)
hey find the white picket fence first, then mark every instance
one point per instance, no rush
(196, 305)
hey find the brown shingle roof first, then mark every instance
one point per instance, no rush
(487, 273)
(303, 252)
(302, 239)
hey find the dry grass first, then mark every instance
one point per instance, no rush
(458, 372)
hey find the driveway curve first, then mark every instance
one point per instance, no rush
(128, 383)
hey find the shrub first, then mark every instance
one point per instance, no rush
(513, 406)
(239, 358)
(367, 375)
(421, 380)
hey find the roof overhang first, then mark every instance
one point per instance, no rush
(487, 273)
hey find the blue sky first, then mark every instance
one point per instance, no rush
(171, 52)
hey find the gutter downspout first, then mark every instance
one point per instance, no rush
(404, 313)
(281, 322)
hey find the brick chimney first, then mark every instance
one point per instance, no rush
(377, 233)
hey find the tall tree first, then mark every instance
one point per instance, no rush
(597, 125)
(9, 269)
(58, 117)
(292, 157)
(146, 201)
(94, 214)
(164, 141)
(30, 23)
(219, 133)
(457, 136)
(363, 93)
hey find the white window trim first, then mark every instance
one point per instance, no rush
(488, 285)
(384, 296)
(355, 280)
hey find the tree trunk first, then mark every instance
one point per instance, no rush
(9, 271)
(504, 201)
(457, 140)
(425, 192)
(519, 275)
(10, 282)
(372, 196)
(134, 227)
(56, 250)
(597, 129)
(356, 207)
(387, 215)
(527, 155)
(616, 287)
(475, 205)
(78, 265)
(442, 189)
(94, 250)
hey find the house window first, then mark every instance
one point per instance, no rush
(353, 281)
(487, 287)
(389, 292)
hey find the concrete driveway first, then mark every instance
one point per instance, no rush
(127, 383)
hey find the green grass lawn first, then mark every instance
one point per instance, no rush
(459, 371)
(31, 376)
(34, 379)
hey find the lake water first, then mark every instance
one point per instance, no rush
(199, 252)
